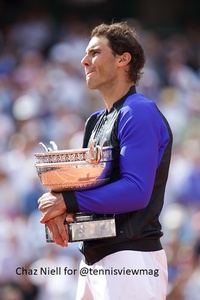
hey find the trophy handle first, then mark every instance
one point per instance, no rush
(49, 149)
(94, 153)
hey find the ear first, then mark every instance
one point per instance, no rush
(124, 59)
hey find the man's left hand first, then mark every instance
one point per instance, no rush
(51, 205)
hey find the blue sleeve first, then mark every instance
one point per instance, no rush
(143, 137)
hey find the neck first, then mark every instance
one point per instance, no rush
(112, 94)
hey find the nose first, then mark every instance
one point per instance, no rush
(85, 61)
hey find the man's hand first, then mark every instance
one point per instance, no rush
(58, 230)
(51, 205)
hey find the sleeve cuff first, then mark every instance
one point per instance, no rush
(71, 201)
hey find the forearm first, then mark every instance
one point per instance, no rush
(131, 192)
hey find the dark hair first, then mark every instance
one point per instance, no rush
(123, 38)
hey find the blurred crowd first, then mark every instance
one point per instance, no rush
(43, 97)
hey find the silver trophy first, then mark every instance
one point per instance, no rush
(78, 169)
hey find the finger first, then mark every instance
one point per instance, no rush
(48, 214)
(70, 218)
(63, 231)
(43, 197)
(45, 218)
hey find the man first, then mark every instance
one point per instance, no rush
(142, 140)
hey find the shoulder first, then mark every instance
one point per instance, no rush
(139, 107)
(141, 115)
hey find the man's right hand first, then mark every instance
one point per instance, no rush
(59, 230)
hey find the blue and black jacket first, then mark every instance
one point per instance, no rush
(142, 140)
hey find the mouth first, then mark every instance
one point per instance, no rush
(89, 72)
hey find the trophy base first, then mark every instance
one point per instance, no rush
(88, 227)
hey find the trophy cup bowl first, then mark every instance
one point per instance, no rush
(78, 169)
(74, 169)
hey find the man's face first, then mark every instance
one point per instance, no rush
(100, 64)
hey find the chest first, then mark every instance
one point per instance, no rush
(105, 129)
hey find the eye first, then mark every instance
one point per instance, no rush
(95, 52)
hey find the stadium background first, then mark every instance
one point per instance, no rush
(43, 97)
